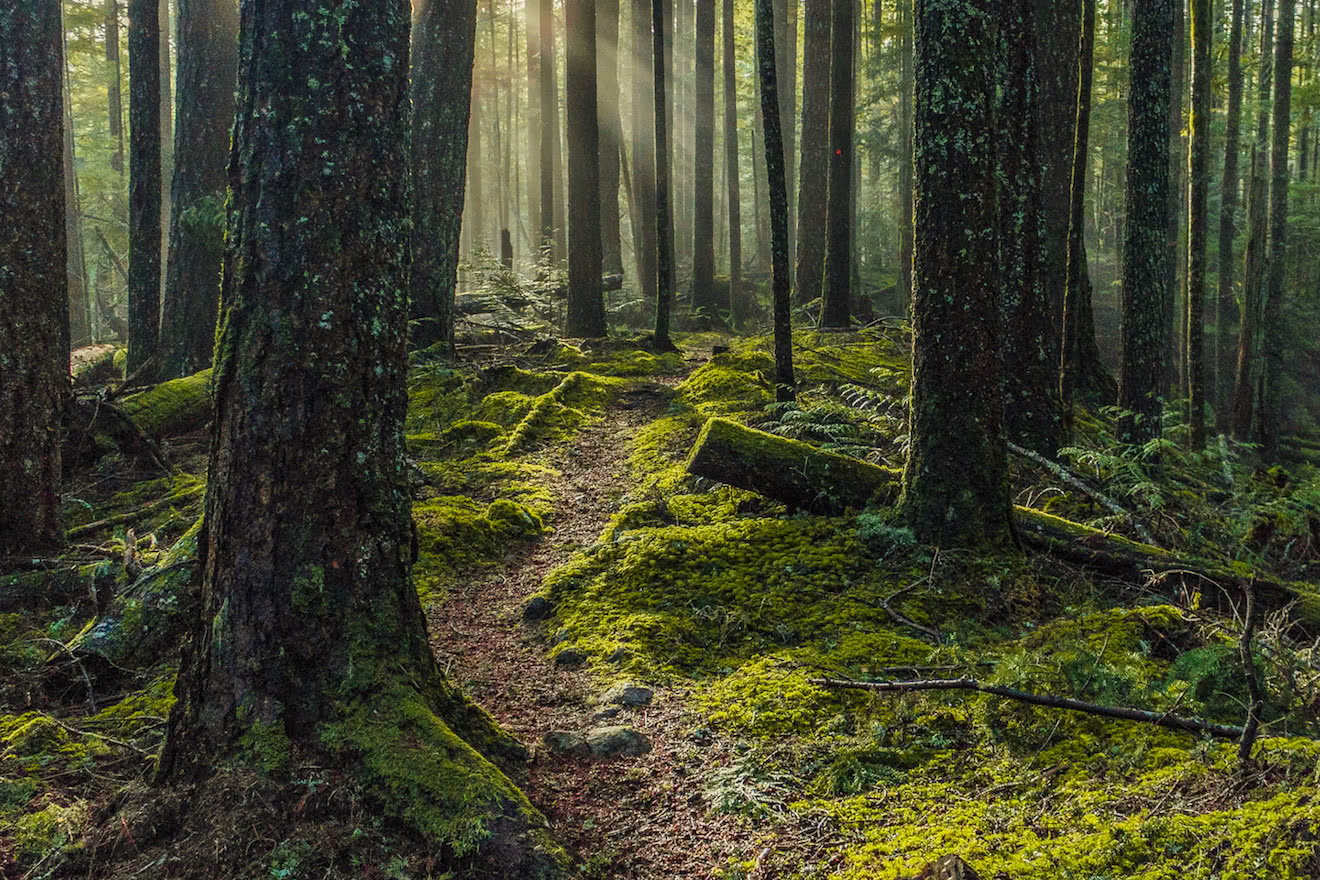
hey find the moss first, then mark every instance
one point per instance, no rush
(50, 830)
(727, 384)
(266, 745)
(142, 712)
(177, 406)
(456, 534)
(561, 410)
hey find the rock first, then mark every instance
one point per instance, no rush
(628, 694)
(537, 608)
(564, 742)
(606, 714)
(950, 867)
(616, 741)
(570, 658)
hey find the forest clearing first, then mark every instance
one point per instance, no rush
(436, 443)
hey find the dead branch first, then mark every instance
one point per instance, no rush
(1062, 473)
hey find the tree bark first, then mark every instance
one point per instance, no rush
(1271, 405)
(1198, 218)
(837, 305)
(208, 70)
(1146, 229)
(549, 104)
(1225, 303)
(80, 314)
(113, 88)
(586, 305)
(611, 133)
(777, 186)
(664, 261)
(34, 303)
(443, 55)
(906, 228)
(643, 150)
(1175, 318)
(144, 187)
(956, 480)
(737, 303)
(703, 176)
(166, 134)
(813, 180)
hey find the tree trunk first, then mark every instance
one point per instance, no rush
(549, 122)
(664, 261)
(1225, 303)
(1145, 249)
(837, 304)
(1253, 281)
(208, 69)
(813, 180)
(607, 106)
(475, 202)
(643, 150)
(80, 314)
(441, 92)
(737, 304)
(1030, 344)
(1175, 319)
(760, 204)
(34, 308)
(956, 480)
(777, 185)
(1271, 405)
(166, 135)
(532, 13)
(113, 87)
(905, 145)
(144, 187)
(309, 405)
(1198, 217)
(786, 67)
(586, 305)
(703, 176)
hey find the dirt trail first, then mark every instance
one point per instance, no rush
(641, 817)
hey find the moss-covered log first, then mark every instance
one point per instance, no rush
(796, 473)
(179, 406)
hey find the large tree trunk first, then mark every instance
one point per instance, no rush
(1225, 303)
(664, 262)
(813, 180)
(1145, 249)
(166, 133)
(837, 305)
(1198, 216)
(611, 133)
(703, 176)
(586, 306)
(643, 150)
(777, 185)
(1253, 280)
(34, 305)
(956, 481)
(208, 68)
(1271, 406)
(441, 92)
(144, 187)
(310, 638)
(1030, 347)
(737, 303)
(905, 182)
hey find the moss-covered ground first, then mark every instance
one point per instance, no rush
(738, 606)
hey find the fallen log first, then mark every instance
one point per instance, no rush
(179, 406)
(1160, 719)
(807, 478)
(796, 473)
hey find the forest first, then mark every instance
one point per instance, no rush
(793, 439)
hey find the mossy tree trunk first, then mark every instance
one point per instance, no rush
(785, 386)
(1226, 303)
(1271, 405)
(144, 176)
(586, 305)
(956, 480)
(813, 180)
(207, 71)
(703, 177)
(1198, 218)
(34, 316)
(1145, 245)
(836, 309)
(444, 38)
(311, 643)
(1030, 343)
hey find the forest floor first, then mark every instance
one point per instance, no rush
(566, 551)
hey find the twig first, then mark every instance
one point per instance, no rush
(1061, 472)
(1252, 726)
(1173, 722)
(131, 515)
(91, 695)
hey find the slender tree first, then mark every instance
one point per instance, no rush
(664, 261)
(1176, 319)
(80, 314)
(1029, 347)
(304, 549)
(113, 79)
(549, 103)
(837, 306)
(905, 183)
(166, 134)
(643, 149)
(607, 106)
(1225, 303)
(208, 68)
(586, 306)
(813, 180)
(956, 479)
(1145, 250)
(1054, 43)
(1198, 218)
(443, 39)
(703, 177)
(777, 180)
(34, 316)
(144, 187)
(737, 304)
(1271, 405)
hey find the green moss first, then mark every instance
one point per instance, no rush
(266, 745)
(456, 534)
(50, 830)
(736, 382)
(142, 712)
(561, 410)
(177, 406)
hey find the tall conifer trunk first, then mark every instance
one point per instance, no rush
(703, 176)
(1198, 216)
(737, 304)
(813, 181)
(586, 308)
(1271, 405)
(777, 185)
(837, 306)
(144, 188)
(643, 150)
(1225, 303)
